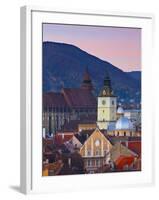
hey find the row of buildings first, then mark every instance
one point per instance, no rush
(87, 134)
(62, 110)
(90, 152)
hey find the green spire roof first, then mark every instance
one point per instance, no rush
(107, 88)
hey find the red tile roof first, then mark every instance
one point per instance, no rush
(124, 160)
(60, 139)
(134, 146)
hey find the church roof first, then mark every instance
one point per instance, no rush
(78, 97)
(70, 97)
(53, 99)
(86, 76)
(87, 82)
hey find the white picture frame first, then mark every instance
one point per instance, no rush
(31, 101)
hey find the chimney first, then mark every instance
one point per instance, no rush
(44, 133)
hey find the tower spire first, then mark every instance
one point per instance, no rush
(107, 88)
(107, 81)
(87, 82)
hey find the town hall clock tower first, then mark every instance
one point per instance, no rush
(107, 103)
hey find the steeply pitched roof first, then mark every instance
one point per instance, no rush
(78, 97)
(87, 83)
(84, 135)
(70, 97)
(89, 133)
(53, 99)
(123, 160)
(134, 146)
(60, 139)
(120, 150)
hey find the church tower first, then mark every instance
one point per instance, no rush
(107, 103)
(87, 82)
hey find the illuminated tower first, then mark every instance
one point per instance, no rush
(107, 103)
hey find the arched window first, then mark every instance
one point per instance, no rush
(124, 133)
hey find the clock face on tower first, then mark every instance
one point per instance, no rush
(103, 102)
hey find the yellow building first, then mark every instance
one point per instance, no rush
(95, 151)
(107, 104)
(87, 126)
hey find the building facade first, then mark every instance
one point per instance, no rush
(67, 105)
(95, 151)
(107, 105)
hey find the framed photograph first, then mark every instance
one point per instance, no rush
(86, 100)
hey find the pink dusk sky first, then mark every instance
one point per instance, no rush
(119, 46)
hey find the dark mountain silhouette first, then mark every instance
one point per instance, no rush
(64, 66)
(135, 74)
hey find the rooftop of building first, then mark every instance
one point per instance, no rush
(71, 98)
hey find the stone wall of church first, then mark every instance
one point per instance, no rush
(54, 119)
